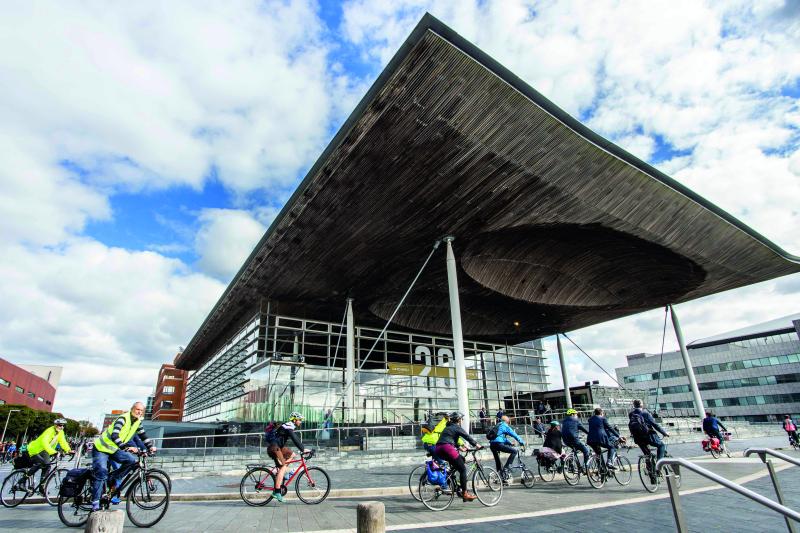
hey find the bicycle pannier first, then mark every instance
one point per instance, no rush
(72, 484)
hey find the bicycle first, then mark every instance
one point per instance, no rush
(716, 452)
(597, 471)
(146, 497)
(18, 485)
(651, 479)
(487, 485)
(794, 443)
(549, 467)
(258, 483)
(571, 468)
(528, 478)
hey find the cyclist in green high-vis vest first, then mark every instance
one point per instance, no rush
(109, 446)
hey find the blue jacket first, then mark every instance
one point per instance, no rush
(504, 429)
(652, 437)
(569, 430)
(599, 430)
(712, 423)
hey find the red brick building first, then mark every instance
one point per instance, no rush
(170, 393)
(18, 386)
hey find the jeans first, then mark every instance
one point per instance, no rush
(100, 468)
(579, 446)
(498, 447)
(612, 451)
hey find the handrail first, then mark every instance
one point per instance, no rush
(763, 452)
(758, 498)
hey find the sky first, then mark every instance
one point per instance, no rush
(145, 147)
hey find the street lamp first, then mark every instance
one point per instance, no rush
(3, 438)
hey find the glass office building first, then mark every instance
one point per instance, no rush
(278, 364)
(749, 374)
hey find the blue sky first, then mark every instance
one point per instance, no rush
(147, 147)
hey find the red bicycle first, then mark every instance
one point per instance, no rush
(312, 483)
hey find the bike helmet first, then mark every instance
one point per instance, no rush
(296, 416)
(571, 412)
(59, 422)
(555, 423)
(455, 416)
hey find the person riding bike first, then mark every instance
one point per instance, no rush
(711, 425)
(447, 448)
(602, 435)
(790, 428)
(500, 443)
(570, 427)
(43, 449)
(431, 436)
(110, 446)
(278, 451)
(644, 429)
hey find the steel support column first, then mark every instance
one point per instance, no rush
(564, 376)
(350, 364)
(698, 400)
(458, 337)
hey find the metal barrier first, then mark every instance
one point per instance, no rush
(762, 454)
(677, 509)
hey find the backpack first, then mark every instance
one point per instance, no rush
(432, 436)
(492, 432)
(271, 434)
(73, 482)
(790, 426)
(637, 425)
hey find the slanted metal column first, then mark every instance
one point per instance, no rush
(563, 371)
(350, 363)
(698, 400)
(458, 337)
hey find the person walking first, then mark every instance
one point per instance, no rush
(791, 429)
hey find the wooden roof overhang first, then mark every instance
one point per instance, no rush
(555, 227)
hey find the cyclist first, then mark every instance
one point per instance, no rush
(110, 445)
(644, 430)
(552, 438)
(431, 436)
(570, 427)
(447, 448)
(711, 425)
(500, 443)
(600, 436)
(280, 453)
(790, 428)
(44, 447)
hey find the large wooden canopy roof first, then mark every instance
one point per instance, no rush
(555, 227)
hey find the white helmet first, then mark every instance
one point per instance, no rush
(296, 416)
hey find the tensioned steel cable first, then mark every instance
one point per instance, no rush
(596, 363)
(661, 357)
(383, 331)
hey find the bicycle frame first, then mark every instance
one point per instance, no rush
(302, 467)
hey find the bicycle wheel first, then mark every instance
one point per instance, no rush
(487, 485)
(715, 453)
(434, 496)
(14, 490)
(313, 485)
(624, 473)
(75, 511)
(595, 472)
(256, 486)
(572, 470)
(413, 481)
(650, 481)
(547, 473)
(163, 474)
(727, 452)
(528, 478)
(147, 502)
(53, 484)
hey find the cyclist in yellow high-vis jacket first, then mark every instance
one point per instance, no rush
(109, 446)
(44, 447)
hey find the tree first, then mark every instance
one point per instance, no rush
(87, 429)
(30, 422)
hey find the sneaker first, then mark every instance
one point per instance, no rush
(468, 496)
(115, 500)
(277, 496)
(95, 506)
(611, 466)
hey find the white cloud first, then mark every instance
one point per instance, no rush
(225, 239)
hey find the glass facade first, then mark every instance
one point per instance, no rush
(278, 364)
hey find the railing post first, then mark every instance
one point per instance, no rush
(677, 509)
(778, 492)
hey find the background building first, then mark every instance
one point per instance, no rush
(170, 393)
(109, 418)
(21, 386)
(749, 374)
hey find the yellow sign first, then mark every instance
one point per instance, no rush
(405, 369)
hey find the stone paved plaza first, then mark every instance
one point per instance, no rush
(545, 507)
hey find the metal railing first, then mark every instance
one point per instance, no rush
(762, 454)
(677, 509)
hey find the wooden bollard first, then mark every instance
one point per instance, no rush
(105, 522)
(371, 517)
